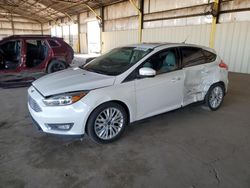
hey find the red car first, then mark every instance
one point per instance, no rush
(24, 58)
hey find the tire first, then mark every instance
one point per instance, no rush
(215, 96)
(99, 126)
(2, 66)
(55, 66)
(2, 63)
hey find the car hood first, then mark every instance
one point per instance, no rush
(74, 79)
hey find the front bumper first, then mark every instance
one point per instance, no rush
(80, 136)
(43, 115)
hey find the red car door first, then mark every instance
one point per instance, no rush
(11, 61)
(35, 58)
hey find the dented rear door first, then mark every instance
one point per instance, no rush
(196, 74)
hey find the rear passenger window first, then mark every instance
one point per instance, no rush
(209, 56)
(53, 43)
(192, 56)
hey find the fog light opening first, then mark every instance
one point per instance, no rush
(60, 127)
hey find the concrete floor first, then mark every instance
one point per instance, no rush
(187, 148)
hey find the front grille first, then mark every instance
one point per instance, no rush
(33, 104)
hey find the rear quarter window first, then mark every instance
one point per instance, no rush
(53, 43)
(192, 56)
(210, 57)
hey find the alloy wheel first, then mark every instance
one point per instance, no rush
(108, 123)
(216, 97)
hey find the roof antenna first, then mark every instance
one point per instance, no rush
(184, 42)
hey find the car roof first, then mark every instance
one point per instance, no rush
(167, 45)
(150, 45)
(28, 36)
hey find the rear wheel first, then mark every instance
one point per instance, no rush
(55, 66)
(107, 123)
(215, 96)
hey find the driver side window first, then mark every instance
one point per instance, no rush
(163, 62)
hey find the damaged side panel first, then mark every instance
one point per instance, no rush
(198, 80)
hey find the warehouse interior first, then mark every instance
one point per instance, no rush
(190, 147)
(120, 24)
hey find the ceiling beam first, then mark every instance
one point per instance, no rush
(5, 16)
(25, 16)
(27, 9)
(55, 11)
(6, 5)
(50, 12)
(72, 5)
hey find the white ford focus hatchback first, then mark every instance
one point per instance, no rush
(125, 85)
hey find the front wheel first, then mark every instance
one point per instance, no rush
(107, 123)
(215, 96)
(55, 66)
(2, 65)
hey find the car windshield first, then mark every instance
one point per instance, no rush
(117, 61)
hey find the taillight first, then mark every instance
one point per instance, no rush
(223, 65)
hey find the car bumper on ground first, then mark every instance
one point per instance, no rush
(62, 120)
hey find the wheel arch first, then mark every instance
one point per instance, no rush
(123, 104)
(207, 100)
(56, 59)
(221, 83)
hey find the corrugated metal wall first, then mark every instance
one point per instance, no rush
(20, 26)
(198, 34)
(233, 45)
(46, 29)
(232, 40)
(118, 38)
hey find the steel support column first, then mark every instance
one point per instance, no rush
(78, 34)
(140, 26)
(213, 27)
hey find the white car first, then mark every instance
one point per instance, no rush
(125, 85)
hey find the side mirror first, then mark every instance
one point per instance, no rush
(147, 72)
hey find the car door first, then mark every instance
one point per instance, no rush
(36, 52)
(196, 70)
(11, 61)
(164, 92)
(10, 56)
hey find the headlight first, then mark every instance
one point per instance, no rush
(64, 99)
